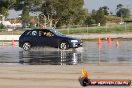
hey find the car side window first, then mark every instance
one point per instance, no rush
(42, 33)
(49, 34)
(46, 33)
(28, 33)
(34, 33)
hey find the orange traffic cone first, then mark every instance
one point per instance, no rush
(117, 44)
(109, 41)
(13, 43)
(2, 44)
(99, 42)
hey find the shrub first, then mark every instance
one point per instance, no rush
(2, 26)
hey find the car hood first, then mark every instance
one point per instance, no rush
(69, 38)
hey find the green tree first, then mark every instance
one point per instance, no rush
(28, 6)
(93, 14)
(32, 5)
(89, 20)
(2, 26)
(96, 17)
(122, 12)
(65, 11)
(119, 6)
(105, 9)
(5, 5)
(100, 17)
(25, 17)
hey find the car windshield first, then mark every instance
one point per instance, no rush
(57, 33)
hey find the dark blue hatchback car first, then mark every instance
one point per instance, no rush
(47, 37)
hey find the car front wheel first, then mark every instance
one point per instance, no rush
(26, 46)
(64, 46)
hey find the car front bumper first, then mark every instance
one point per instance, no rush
(76, 44)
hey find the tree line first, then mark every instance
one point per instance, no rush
(61, 12)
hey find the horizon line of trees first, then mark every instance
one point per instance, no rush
(60, 12)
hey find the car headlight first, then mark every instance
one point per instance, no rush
(74, 40)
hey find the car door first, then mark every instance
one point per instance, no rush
(42, 38)
(48, 38)
(33, 38)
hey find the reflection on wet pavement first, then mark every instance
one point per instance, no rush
(39, 56)
(49, 57)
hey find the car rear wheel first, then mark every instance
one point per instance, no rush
(64, 46)
(26, 46)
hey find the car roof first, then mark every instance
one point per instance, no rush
(38, 29)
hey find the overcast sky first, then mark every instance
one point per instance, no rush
(95, 4)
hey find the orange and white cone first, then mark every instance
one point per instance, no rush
(2, 44)
(13, 43)
(109, 41)
(99, 42)
(117, 44)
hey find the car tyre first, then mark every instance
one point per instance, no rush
(64, 46)
(26, 46)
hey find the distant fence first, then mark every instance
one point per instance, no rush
(108, 28)
(83, 32)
